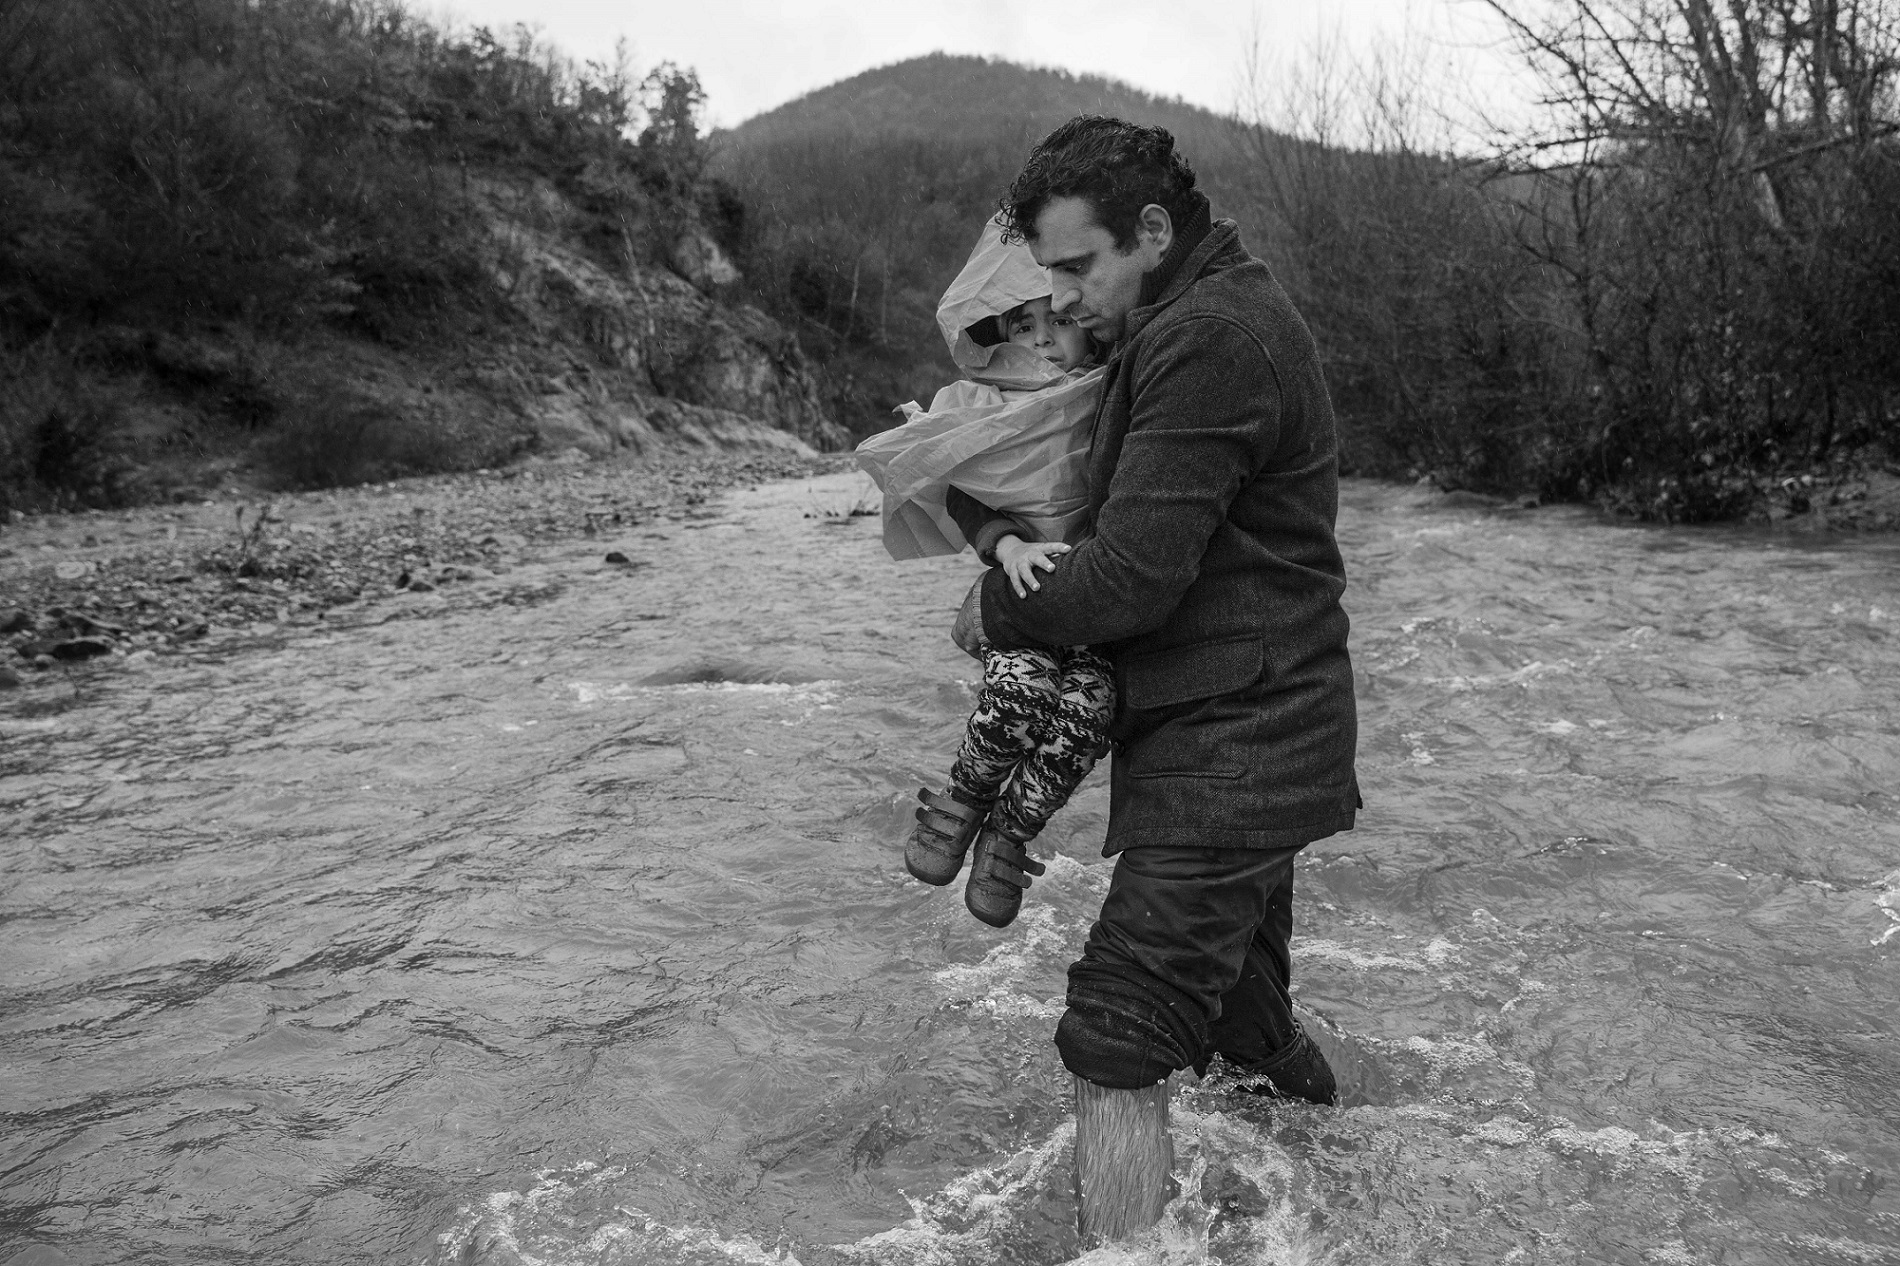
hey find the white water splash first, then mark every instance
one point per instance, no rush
(1889, 904)
(971, 1218)
(1433, 956)
(1452, 1055)
(992, 982)
(1846, 1250)
(506, 1227)
(975, 1215)
(1516, 677)
(817, 692)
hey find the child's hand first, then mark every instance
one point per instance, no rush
(1020, 560)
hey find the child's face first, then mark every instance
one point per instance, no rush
(1056, 338)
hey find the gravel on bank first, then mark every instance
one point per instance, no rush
(172, 579)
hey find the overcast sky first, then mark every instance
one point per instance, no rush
(752, 55)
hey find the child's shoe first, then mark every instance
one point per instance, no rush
(945, 827)
(998, 875)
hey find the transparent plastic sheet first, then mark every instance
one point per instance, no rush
(1024, 453)
(1014, 434)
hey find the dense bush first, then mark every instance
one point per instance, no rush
(337, 439)
(1411, 279)
(1674, 296)
(1722, 350)
(853, 241)
(276, 166)
(60, 428)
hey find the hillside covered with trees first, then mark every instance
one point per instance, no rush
(310, 242)
(863, 198)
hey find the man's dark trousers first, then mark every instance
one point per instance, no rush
(1185, 934)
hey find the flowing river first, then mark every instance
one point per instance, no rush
(567, 922)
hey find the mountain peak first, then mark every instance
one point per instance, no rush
(951, 95)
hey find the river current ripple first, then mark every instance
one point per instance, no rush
(567, 922)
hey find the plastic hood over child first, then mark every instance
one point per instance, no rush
(1014, 435)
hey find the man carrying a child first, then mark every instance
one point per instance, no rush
(1212, 583)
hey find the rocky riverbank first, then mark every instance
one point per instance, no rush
(136, 584)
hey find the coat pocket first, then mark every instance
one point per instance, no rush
(1199, 670)
(1201, 707)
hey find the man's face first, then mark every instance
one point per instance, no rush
(1091, 280)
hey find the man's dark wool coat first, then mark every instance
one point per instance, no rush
(1212, 580)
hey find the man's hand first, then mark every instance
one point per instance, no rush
(967, 632)
(1020, 560)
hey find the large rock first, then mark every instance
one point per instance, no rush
(662, 335)
(742, 361)
(697, 258)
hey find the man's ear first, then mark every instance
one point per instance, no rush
(1154, 224)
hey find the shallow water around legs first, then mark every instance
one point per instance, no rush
(572, 926)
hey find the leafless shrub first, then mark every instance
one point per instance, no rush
(1400, 259)
(1675, 284)
(1711, 195)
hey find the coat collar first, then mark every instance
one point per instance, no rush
(1187, 237)
(1202, 244)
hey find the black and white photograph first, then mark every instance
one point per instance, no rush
(810, 633)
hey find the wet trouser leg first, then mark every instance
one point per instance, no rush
(1189, 959)
(1067, 743)
(1021, 689)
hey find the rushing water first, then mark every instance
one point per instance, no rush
(570, 925)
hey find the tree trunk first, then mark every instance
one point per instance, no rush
(1732, 81)
(884, 304)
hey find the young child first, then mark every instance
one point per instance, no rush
(1014, 435)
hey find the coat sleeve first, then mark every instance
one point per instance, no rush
(1204, 416)
(981, 526)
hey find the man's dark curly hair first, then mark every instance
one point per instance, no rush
(1117, 166)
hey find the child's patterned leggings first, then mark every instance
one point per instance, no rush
(1042, 718)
